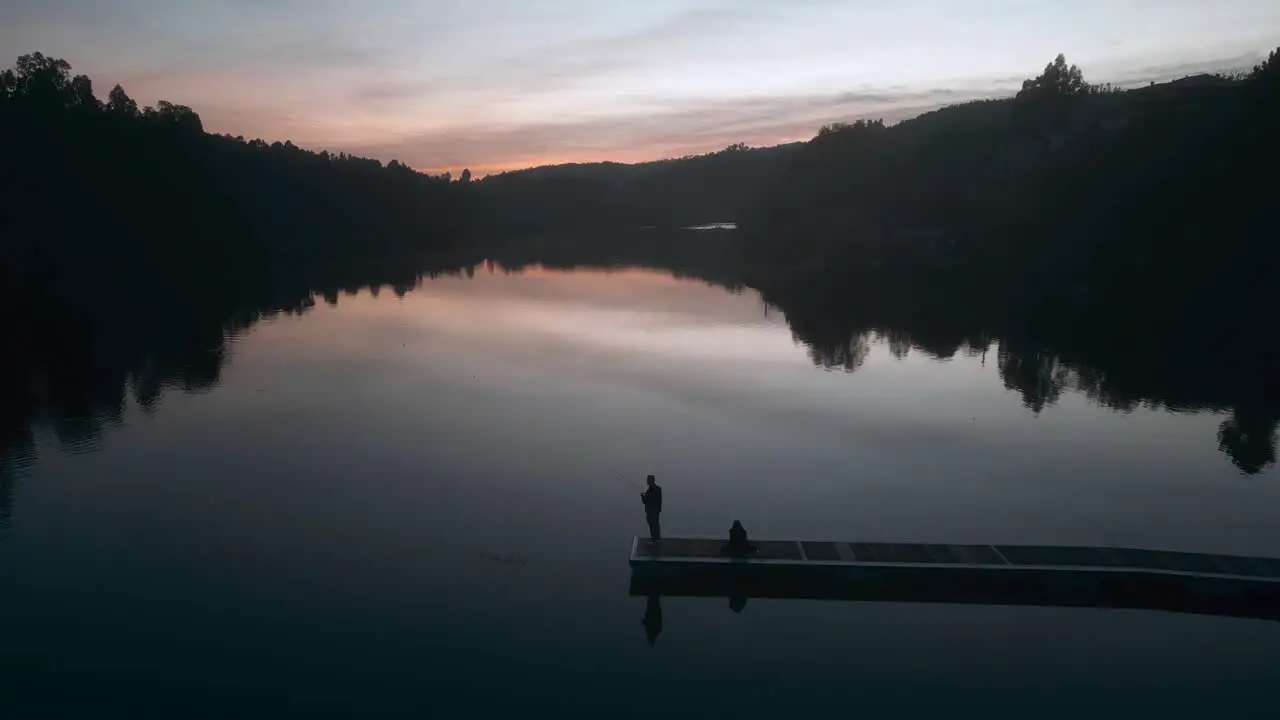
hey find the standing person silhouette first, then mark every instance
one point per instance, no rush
(652, 499)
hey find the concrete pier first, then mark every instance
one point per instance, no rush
(1068, 576)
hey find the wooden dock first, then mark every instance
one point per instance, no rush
(1068, 576)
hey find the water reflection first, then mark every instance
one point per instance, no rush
(76, 378)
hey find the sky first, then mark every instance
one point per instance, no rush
(500, 84)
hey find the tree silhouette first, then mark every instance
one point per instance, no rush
(1057, 80)
(180, 118)
(1267, 71)
(119, 102)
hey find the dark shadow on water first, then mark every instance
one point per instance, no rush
(652, 620)
(1259, 601)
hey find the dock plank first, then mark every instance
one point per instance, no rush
(943, 554)
(713, 548)
(977, 555)
(1191, 562)
(862, 552)
(1049, 555)
(905, 553)
(776, 550)
(1253, 566)
(821, 551)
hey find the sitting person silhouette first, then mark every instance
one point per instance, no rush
(738, 544)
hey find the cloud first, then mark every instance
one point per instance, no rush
(678, 129)
(672, 129)
(1171, 71)
(561, 65)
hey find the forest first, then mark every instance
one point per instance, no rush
(1035, 188)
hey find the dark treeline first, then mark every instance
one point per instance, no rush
(1122, 243)
(1034, 187)
(103, 195)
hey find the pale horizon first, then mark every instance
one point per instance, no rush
(500, 85)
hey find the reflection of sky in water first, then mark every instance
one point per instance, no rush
(424, 493)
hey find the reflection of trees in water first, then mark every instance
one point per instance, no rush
(74, 372)
(898, 342)
(847, 356)
(1037, 376)
(1249, 439)
(1122, 379)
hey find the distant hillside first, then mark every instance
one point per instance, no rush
(682, 191)
(623, 173)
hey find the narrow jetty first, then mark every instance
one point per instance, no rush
(1050, 575)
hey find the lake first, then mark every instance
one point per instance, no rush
(420, 503)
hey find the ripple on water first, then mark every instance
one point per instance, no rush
(14, 463)
(77, 436)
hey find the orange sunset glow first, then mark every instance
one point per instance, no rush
(502, 84)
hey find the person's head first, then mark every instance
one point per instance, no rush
(650, 481)
(737, 524)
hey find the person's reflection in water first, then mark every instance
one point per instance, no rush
(737, 602)
(652, 618)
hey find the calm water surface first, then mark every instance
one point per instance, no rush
(417, 505)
